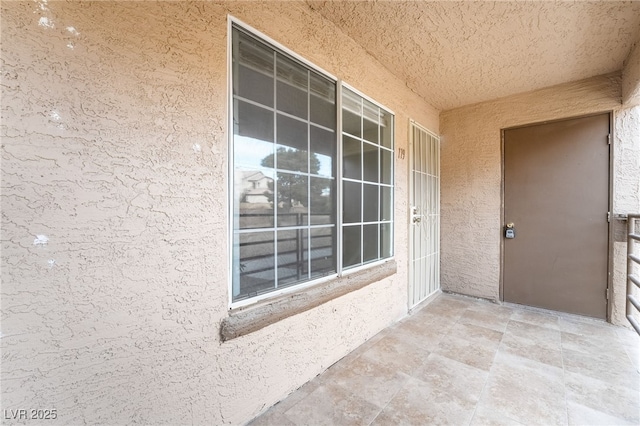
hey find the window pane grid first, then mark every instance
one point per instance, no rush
(284, 161)
(252, 230)
(369, 239)
(286, 171)
(283, 113)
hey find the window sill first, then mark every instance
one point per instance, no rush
(247, 320)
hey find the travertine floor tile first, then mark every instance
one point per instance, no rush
(470, 344)
(460, 361)
(526, 391)
(599, 395)
(535, 332)
(397, 353)
(364, 347)
(452, 376)
(533, 342)
(592, 343)
(613, 367)
(485, 416)
(488, 315)
(580, 415)
(633, 352)
(424, 336)
(332, 405)
(420, 403)
(371, 380)
(272, 418)
(448, 307)
(537, 317)
(275, 415)
(587, 327)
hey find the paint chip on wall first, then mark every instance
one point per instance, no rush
(41, 240)
(45, 22)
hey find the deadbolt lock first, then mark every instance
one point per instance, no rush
(510, 231)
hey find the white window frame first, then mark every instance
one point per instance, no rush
(231, 22)
(349, 270)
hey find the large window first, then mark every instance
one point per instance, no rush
(285, 163)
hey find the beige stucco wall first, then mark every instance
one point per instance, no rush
(114, 214)
(631, 78)
(471, 176)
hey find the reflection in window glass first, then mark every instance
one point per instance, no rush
(351, 123)
(385, 203)
(386, 129)
(386, 245)
(386, 166)
(292, 267)
(322, 102)
(253, 188)
(253, 66)
(322, 201)
(370, 162)
(323, 149)
(351, 243)
(351, 158)
(284, 150)
(252, 152)
(352, 202)
(292, 87)
(293, 199)
(370, 242)
(292, 134)
(370, 122)
(259, 87)
(254, 263)
(253, 121)
(323, 260)
(370, 202)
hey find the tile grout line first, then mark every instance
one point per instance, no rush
(564, 378)
(475, 408)
(489, 373)
(388, 402)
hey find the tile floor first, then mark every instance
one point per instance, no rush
(462, 361)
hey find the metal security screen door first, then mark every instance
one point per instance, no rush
(424, 274)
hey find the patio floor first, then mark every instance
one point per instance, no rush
(463, 361)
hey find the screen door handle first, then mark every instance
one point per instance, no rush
(415, 216)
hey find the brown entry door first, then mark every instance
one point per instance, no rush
(556, 194)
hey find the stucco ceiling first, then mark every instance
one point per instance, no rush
(455, 53)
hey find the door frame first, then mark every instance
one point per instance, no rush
(610, 207)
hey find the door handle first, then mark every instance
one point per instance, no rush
(415, 216)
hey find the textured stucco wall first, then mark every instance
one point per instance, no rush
(471, 175)
(631, 78)
(626, 199)
(114, 241)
